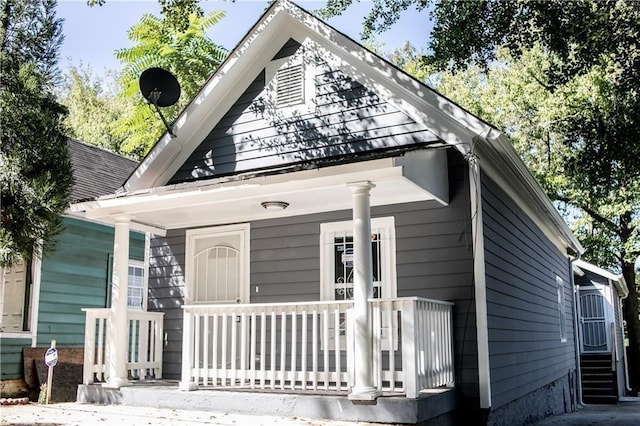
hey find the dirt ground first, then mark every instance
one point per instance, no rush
(70, 413)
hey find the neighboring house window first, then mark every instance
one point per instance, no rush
(19, 298)
(136, 287)
(562, 309)
(15, 298)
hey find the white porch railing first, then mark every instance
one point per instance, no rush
(144, 345)
(309, 346)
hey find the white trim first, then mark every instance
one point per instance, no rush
(502, 164)
(562, 309)
(480, 286)
(36, 277)
(618, 280)
(139, 264)
(147, 251)
(193, 235)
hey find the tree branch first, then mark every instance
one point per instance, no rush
(596, 216)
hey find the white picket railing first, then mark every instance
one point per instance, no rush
(309, 346)
(144, 347)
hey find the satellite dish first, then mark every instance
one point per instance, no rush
(161, 89)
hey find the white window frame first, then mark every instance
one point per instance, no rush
(562, 310)
(137, 264)
(386, 227)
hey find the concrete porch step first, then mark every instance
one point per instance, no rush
(433, 406)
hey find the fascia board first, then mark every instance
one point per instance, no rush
(618, 280)
(190, 195)
(210, 104)
(500, 161)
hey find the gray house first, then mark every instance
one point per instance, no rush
(603, 366)
(329, 228)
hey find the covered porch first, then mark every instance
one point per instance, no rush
(297, 347)
(361, 348)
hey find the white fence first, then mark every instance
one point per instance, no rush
(144, 347)
(309, 346)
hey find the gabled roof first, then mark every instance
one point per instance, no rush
(452, 124)
(96, 171)
(579, 266)
(282, 21)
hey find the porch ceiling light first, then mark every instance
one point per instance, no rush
(274, 205)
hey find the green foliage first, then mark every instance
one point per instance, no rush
(183, 50)
(93, 107)
(35, 172)
(563, 80)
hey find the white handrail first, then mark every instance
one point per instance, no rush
(144, 344)
(308, 346)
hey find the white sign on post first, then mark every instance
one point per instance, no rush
(51, 359)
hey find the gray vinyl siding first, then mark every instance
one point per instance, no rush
(525, 348)
(166, 294)
(433, 255)
(348, 120)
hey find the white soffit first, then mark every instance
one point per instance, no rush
(397, 180)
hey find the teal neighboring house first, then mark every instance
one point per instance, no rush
(44, 301)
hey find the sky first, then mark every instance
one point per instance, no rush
(92, 34)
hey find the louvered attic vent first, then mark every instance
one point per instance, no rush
(290, 86)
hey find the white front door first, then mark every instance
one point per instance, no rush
(594, 318)
(217, 272)
(217, 265)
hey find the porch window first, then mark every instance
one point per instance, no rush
(561, 309)
(337, 259)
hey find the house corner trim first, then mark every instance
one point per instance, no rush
(480, 288)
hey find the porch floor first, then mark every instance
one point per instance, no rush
(434, 406)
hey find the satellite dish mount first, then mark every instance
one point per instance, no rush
(161, 89)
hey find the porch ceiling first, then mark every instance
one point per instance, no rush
(418, 176)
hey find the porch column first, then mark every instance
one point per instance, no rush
(362, 292)
(117, 324)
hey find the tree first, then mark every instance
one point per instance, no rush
(93, 107)
(586, 153)
(178, 45)
(35, 172)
